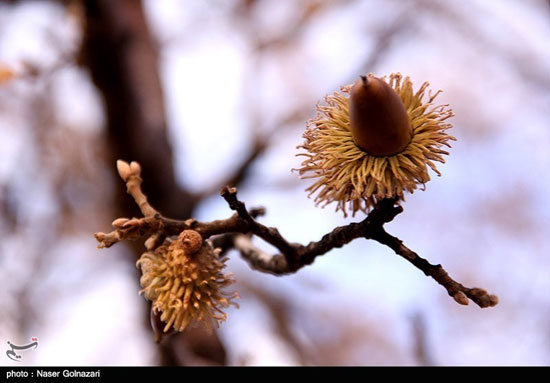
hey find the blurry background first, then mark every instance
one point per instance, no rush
(205, 93)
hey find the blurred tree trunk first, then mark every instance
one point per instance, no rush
(122, 58)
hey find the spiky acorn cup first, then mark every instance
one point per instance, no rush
(373, 140)
(184, 280)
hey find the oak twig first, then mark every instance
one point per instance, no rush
(235, 233)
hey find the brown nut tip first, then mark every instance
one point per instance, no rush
(379, 122)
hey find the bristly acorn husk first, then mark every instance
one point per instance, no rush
(185, 282)
(355, 179)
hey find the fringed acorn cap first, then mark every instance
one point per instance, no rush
(184, 280)
(375, 143)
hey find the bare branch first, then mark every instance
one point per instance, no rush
(459, 292)
(292, 256)
(269, 234)
(256, 258)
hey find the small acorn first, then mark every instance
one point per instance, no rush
(379, 122)
(184, 280)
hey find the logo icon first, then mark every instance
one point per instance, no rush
(15, 356)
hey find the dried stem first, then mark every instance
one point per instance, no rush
(130, 173)
(235, 232)
(456, 290)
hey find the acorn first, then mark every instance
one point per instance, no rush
(374, 139)
(184, 280)
(378, 119)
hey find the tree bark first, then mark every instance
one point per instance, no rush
(123, 61)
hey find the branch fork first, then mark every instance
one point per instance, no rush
(236, 232)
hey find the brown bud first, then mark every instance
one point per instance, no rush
(461, 298)
(477, 292)
(123, 170)
(154, 241)
(120, 222)
(135, 168)
(378, 119)
(493, 300)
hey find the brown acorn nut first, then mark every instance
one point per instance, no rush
(379, 121)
